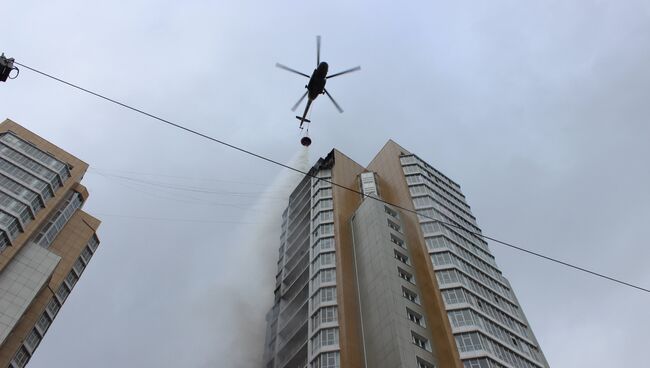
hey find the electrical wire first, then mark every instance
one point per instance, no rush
(177, 198)
(124, 172)
(183, 199)
(250, 153)
(175, 186)
(174, 219)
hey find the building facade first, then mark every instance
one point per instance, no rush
(46, 240)
(365, 283)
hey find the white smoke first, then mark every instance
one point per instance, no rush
(237, 308)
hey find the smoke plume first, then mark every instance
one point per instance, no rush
(239, 305)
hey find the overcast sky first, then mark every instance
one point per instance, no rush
(539, 110)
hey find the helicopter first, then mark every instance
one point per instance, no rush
(315, 87)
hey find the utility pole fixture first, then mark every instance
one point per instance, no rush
(6, 67)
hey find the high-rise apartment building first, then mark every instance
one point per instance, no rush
(361, 283)
(46, 240)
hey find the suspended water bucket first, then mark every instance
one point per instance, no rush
(305, 141)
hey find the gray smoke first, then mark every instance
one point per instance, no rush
(237, 307)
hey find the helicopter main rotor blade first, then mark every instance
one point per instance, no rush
(290, 70)
(356, 68)
(317, 50)
(333, 101)
(299, 101)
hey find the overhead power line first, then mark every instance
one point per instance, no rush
(203, 221)
(186, 188)
(177, 198)
(180, 177)
(250, 153)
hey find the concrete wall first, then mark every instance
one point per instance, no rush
(386, 326)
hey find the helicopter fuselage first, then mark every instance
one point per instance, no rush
(316, 85)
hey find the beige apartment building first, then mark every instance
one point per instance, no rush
(363, 283)
(46, 240)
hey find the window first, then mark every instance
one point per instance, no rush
(447, 277)
(329, 314)
(4, 240)
(329, 336)
(420, 341)
(327, 294)
(413, 179)
(441, 259)
(325, 337)
(31, 165)
(21, 357)
(71, 278)
(28, 195)
(10, 223)
(414, 317)
(30, 150)
(412, 169)
(423, 363)
(327, 360)
(57, 221)
(390, 211)
(324, 192)
(86, 254)
(405, 275)
(43, 323)
(410, 295)
(454, 296)
(324, 216)
(469, 342)
(53, 307)
(394, 226)
(324, 315)
(93, 243)
(325, 229)
(419, 190)
(324, 203)
(399, 242)
(324, 244)
(32, 182)
(480, 363)
(431, 227)
(78, 266)
(328, 275)
(323, 260)
(460, 318)
(33, 339)
(421, 202)
(62, 293)
(401, 257)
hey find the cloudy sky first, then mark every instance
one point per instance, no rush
(538, 109)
